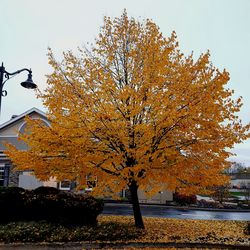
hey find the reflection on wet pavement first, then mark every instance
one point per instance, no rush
(165, 212)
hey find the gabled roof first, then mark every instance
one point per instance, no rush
(28, 112)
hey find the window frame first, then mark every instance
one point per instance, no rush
(2, 174)
(64, 188)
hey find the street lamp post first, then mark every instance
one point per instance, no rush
(5, 76)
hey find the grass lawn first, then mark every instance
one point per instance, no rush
(121, 229)
(238, 193)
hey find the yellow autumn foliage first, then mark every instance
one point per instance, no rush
(133, 109)
(166, 230)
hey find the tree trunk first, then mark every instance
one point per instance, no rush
(133, 187)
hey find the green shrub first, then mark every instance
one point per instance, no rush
(12, 204)
(184, 199)
(49, 205)
(11, 190)
(248, 229)
(46, 190)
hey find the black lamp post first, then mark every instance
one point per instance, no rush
(5, 76)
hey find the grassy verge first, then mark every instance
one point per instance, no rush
(47, 232)
(121, 229)
(238, 193)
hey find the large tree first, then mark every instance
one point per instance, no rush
(135, 112)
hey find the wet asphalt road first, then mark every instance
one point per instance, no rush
(166, 212)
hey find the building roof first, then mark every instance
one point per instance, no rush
(18, 117)
(240, 176)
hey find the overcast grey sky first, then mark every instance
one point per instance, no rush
(28, 27)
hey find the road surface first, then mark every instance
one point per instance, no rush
(166, 212)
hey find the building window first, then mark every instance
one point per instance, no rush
(91, 182)
(2, 167)
(65, 185)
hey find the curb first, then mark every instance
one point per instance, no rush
(103, 245)
(182, 208)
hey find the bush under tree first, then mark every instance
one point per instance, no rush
(50, 205)
(183, 199)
